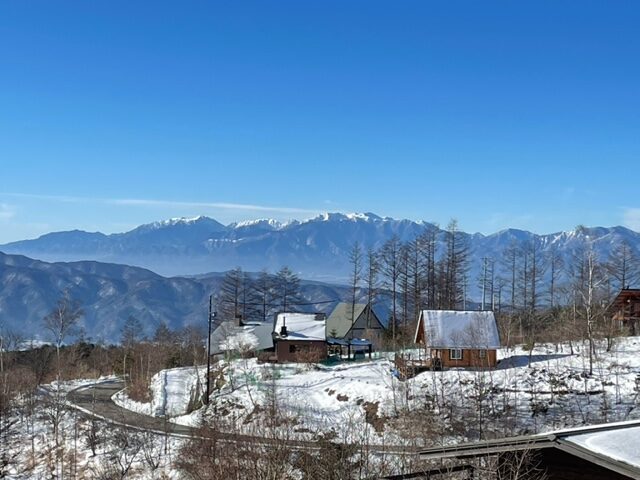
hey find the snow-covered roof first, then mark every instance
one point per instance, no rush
(613, 446)
(229, 336)
(621, 445)
(302, 326)
(459, 329)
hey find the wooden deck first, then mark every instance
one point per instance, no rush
(409, 367)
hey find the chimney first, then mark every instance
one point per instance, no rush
(238, 320)
(283, 328)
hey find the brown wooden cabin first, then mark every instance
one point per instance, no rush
(624, 311)
(453, 338)
(300, 337)
(300, 351)
(599, 452)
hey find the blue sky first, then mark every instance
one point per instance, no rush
(499, 114)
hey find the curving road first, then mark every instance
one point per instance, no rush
(95, 400)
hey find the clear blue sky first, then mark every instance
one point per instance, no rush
(500, 114)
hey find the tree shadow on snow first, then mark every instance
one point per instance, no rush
(523, 360)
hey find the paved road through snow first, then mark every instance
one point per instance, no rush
(95, 400)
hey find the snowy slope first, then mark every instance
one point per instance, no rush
(551, 393)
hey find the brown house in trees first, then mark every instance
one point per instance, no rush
(625, 310)
(300, 337)
(458, 338)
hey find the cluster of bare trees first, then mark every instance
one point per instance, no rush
(428, 272)
(143, 357)
(553, 297)
(258, 297)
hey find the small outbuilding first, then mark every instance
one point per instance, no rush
(300, 337)
(454, 338)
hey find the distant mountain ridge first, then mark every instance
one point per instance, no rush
(110, 293)
(316, 248)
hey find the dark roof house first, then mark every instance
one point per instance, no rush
(366, 323)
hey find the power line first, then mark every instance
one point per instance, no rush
(296, 304)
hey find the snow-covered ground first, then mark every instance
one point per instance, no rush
(548, 390)
(31, 448)
(172, 393)
(348, 400)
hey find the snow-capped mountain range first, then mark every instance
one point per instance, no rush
(317, 248)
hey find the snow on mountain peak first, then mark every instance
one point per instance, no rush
(341, 217)
(200, 220)
(178, 221)
(183, 220)
(263, 222)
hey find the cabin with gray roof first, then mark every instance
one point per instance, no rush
(363, 324)
(458, 338)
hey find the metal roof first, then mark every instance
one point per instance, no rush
(570, 441)
(459, 329)
(339, 322)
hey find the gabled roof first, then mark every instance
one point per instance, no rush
(459, 329)
(301, 326)
(340, 318)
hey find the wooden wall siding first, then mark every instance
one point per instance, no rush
(628, 317)
(470, 358)
(300, 351)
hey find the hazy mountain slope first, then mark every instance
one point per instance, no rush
(316, 248)
(110, 293)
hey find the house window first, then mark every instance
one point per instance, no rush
(292, 349)
(482, 354)
(455, 354)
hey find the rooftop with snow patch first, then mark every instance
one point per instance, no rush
(459, 329)
(613, 446)
(302, 326)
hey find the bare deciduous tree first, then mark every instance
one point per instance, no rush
(355, 259)
(61, 321)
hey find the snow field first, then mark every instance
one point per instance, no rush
(552, 391)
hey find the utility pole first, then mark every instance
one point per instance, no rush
(212, 315)
(484, 283)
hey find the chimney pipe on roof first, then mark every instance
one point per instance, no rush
(283, 328)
